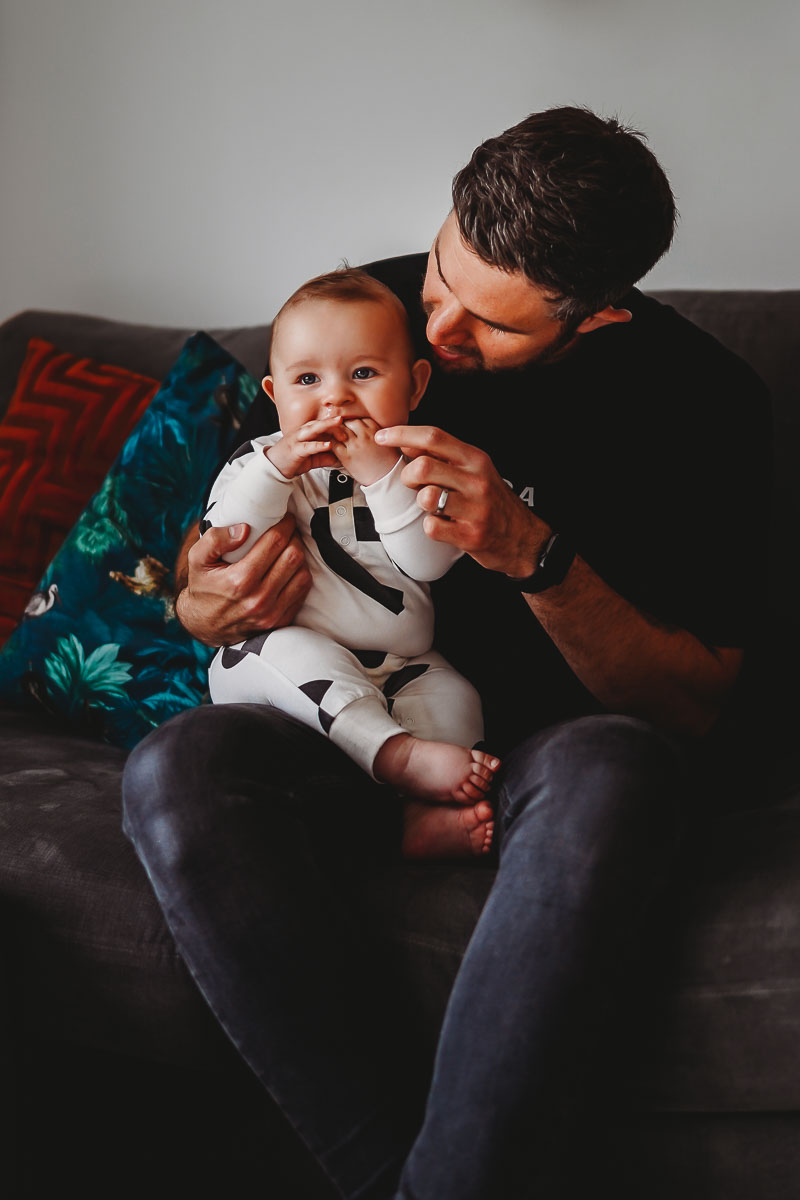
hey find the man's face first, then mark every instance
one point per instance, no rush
(343, 358)
(482, 318)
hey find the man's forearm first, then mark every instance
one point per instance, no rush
(629, 662)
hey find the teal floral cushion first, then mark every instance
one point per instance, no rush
(100, 646)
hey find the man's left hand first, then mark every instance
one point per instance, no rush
(484, 516)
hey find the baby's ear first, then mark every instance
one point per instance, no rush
(269, 387)
(420, 373)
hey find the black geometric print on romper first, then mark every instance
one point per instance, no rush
(370, 658)
(365, 524)
(348, 569)
(403, 677)
(254, 645)
(316, 690)
(239, 451)
(340, 487)
(399, 680)
(205, 524)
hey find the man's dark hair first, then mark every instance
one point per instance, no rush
(577, 203)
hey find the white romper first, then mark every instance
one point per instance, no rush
(357, 664)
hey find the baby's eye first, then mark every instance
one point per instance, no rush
(307, 378)
(364, 373)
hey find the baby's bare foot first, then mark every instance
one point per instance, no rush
(447, 831)
(435, 771)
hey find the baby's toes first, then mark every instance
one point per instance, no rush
(485, 761)
(484, 811)
(484, 767)
(469, 791)
(481, 782)
(481, 776)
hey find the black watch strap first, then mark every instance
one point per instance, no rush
(552, 566)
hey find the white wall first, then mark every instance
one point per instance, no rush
(191, 161)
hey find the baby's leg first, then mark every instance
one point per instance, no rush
(309, 677)
(438, 772)
(439, 763)
(319, 682)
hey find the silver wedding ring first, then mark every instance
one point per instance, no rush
(442, 503)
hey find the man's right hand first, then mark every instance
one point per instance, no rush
(222, 603)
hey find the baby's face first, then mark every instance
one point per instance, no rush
(348, 358)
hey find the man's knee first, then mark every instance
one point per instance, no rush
(188, 764)
(604, 764)
(593, 808)
(223, 774)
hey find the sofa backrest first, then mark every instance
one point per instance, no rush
(763, 327)
(149, 349)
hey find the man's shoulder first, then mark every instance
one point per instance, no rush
(662, 329)
(666, 352)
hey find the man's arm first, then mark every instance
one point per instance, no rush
(628, 662)
(220, 603)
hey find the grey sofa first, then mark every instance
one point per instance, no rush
(120, 1080)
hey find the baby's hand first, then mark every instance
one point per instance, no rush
(307, 447)
(361, 455)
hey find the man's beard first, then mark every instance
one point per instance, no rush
(473, 362)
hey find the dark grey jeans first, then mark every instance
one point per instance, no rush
(250, 827)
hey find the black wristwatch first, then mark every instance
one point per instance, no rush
(551, 568)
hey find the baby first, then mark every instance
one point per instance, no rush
(357, 664)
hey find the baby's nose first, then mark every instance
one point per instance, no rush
(339, 395)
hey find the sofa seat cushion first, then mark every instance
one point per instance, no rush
(92, 958)
(712, 1017)
(721, 966)
(717, 993)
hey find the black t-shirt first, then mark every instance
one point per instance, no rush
(647, 446)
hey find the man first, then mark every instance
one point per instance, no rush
(603, 464)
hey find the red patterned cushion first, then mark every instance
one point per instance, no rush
(66, 422)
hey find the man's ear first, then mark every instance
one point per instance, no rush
(420, 373)
(269, 387)
(607, 316)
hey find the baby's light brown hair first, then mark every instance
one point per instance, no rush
(348, 284)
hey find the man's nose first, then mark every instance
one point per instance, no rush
(445, 324)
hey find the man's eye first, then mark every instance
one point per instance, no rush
(363, 373)
(308, 377)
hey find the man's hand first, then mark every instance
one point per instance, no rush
(361, 455)
(222, 603)
(484, 516)
(309, 446)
